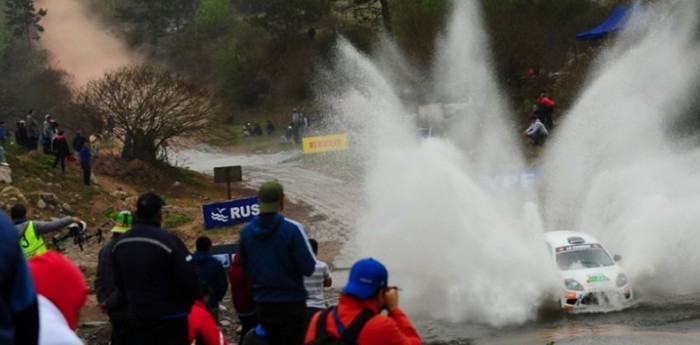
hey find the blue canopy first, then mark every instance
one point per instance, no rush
(616, 21)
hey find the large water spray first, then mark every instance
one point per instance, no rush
(465, 251)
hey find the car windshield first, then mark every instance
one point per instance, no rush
(584, 258)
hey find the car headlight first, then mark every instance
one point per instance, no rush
(621, 280)
(573, 285)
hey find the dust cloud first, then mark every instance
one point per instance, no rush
(78, 43)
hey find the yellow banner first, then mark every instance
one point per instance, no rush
(335, 142)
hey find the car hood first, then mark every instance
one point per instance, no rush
(595, 277)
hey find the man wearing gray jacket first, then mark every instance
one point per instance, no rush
(30, 231)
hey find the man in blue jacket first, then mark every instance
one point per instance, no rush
(155, 271)
(275, 253)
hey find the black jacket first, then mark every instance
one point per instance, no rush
(155, 270)
(105, 289)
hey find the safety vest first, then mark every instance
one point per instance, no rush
(31, 244)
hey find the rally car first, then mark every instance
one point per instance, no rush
(590, 275)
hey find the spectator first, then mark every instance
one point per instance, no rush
(212, 272)
(19, 323)
(79, 140)
(62, 291)
(270, 128)
(537, 132)
(30, 231)
(32, 130)
(3, 160)
(275, 253)
(545, 108)
(111, 301)
(360, 305)
(3, 133)
(85, 157)
(155, 271)
(21, 136)
(255, 336)
(242, 296)
(61, 150)
(48, 134)
(202, 326)
(315, 283)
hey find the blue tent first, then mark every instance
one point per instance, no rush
(616, 21)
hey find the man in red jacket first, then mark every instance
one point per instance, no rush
(545, 108)
(202, 326)
(367, 289)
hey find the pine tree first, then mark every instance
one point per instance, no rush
(23, 20)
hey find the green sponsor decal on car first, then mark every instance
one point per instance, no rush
(597, 278)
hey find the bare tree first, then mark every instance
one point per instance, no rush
(145, 107)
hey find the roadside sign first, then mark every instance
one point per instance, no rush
(514, 180)
(228, 174)
(230, 212)
(335, 142)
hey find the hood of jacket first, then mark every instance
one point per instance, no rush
(265, 225)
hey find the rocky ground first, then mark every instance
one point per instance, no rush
(49, 193)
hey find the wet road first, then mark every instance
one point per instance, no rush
(653, 319)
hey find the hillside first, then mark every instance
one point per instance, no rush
(48, 193)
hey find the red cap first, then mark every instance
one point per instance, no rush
(61, 282)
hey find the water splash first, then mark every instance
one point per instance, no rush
(617, 169)
(614, 169)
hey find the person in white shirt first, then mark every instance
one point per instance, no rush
(537, 132)
(315, 283)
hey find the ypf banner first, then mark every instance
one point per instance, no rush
(335, 142)
(230, 212)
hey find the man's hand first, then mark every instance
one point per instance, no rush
(103, 308)
(392, 297)
(75, 220)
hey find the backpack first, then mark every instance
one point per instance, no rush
(349, 337)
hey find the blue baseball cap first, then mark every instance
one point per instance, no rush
(366, 277)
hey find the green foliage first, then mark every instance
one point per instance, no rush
(283, 18)
(23, 19)
(158, 18)
(212, 17)
(173, 219)
(417, 24)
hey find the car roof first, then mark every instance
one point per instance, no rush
(563, 238)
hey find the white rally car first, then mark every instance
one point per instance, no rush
(591, 277)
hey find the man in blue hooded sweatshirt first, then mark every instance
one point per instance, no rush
(276, 254)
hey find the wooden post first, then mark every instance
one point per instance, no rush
(228, 174)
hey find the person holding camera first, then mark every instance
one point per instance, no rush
(30, 231)
(358, 318)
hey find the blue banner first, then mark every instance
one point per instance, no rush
(230, 212)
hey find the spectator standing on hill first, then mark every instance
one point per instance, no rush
(48, 134)
(30, 231)
(315, 283)
(212, 272)
(61, 150)
(363, 298)
(545, 108)
(270, 128)
(3, 133)
(62, 291)
(19, 314)
(537, 132)
(85, 158)
(202, 326)
(155, 271)
(78, 141)
(242, 296)
(32, 130)
(21, 136)
(111, 301)
(275, 253)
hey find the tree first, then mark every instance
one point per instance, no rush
(146, 108)
(370, 11)
(157, 17)
(23, 19)
(283, 18)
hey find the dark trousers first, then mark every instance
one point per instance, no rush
(247, 323)
(86, 173)
(161, 332)
(62, 159)
(122, 333)
(284, 322)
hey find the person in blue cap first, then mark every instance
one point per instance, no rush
(358, 318)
